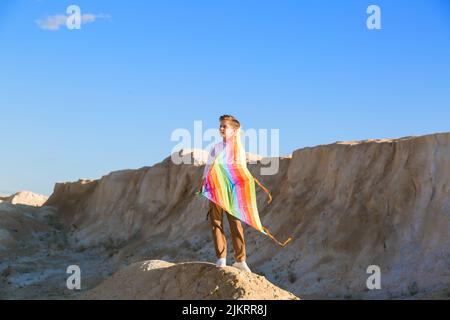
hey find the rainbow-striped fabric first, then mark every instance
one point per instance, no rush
(230, 185)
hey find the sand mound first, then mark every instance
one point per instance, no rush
(25, 197)
(156, 279)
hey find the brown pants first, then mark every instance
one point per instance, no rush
(237, 233)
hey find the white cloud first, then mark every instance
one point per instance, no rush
(53, 23)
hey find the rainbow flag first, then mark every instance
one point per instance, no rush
(230, 185)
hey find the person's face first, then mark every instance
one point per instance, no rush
(226, 130)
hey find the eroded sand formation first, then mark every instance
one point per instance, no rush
(348, 205)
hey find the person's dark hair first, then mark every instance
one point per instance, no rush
(234, 122)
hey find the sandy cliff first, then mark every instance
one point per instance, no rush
(348, 205)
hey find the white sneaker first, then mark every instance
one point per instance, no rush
(222, 262)
(242, 265)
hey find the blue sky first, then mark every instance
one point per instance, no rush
(81, 103)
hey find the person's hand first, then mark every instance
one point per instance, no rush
(199, 189)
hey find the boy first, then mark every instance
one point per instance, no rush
(228, 128)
